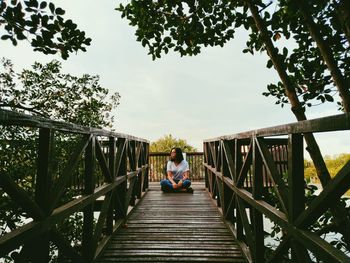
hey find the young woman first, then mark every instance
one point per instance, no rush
(177, 173)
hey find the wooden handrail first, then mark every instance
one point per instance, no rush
(253, 175)
(326, 124)
(19, 119)
(119, 184)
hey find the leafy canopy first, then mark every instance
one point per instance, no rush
(44, 90)
(184, 26)
(304, 62)
(188, 26)
(167, 142)
(43, 25)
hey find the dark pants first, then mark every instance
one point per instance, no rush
(167, 186)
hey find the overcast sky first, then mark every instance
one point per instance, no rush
(216, 93)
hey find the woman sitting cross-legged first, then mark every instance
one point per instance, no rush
(177, 173)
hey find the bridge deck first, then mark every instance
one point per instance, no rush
(173, 227)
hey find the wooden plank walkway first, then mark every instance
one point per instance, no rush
(173, 227)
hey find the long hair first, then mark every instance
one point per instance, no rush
(178, 157)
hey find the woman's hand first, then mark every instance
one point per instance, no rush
(186, 175)
(179, 183)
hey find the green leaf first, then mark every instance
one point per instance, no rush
(285, 52)
(5, 37)
(167, 40)
(59, 11)
(14, 41)
(52, 8)
(329, 97)
(43, 5)
(269, 63)
(320, 97)
(144, 42)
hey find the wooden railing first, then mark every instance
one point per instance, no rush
(158, 160)
(75, 175)
(255, 176)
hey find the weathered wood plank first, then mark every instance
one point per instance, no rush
(330, 123)
(173, 227)
(14, 118)
(171, 259)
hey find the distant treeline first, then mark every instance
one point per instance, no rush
(334, 164)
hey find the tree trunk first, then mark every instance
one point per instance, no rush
(327, 54)
(338, 210)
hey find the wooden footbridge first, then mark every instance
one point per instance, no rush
(81, 194)
(172, 227)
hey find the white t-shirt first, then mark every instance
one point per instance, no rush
(177, 171)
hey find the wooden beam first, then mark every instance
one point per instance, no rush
(282, 249)
(15, 118)
(133, 165)
(43, 188)
(296, 181)
(65, 247)
(146, 182)
(238, 163)
(68, 170)
(21, 197)
(206, 160)
(111, 162)
(122, 145)
(227, 206)
(43, 183)
(102, 162)
(258, 250)
(242, 175)
(331, 123)
(229, 159)
(296, 191)
(121, 164)
(101, 219)
(333, 191)
(319, 246)
(88, 248)
(278, 183)
(212, 154)
(310, 240)
(246, 225)
(268, 210)
(31, 230)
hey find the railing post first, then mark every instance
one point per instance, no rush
(146, 153)
(205, 160)
(296, 190)
(296, 176)
(43, 186)
(257, 218)
(228, 193)
(139, 183)
(237, 168)
(213, 179)
(122, 171)
(133, 165)
(111, 164)
(88, 249)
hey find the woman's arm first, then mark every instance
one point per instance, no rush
(170, 177)
(170, 174)
(186, 175)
